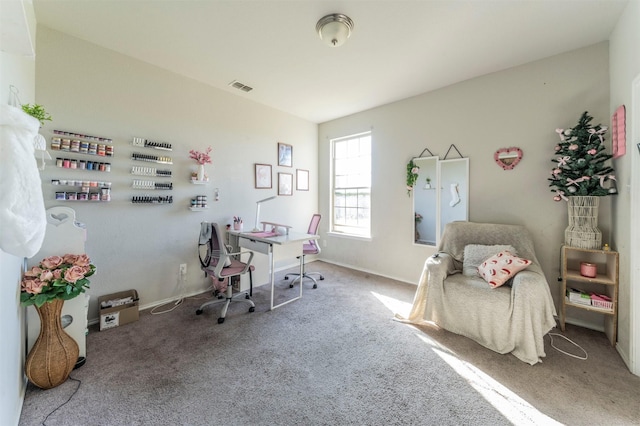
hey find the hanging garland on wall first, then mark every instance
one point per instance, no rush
(412, 175)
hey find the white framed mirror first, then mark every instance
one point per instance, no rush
(425, 201)
(440, 196)
(453, 203)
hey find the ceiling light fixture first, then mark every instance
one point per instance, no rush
(334, 29)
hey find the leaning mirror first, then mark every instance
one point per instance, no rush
(425, 203)
(453, 185)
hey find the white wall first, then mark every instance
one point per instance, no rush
(519, 107)
(17, 68)
(624, 68)
(95, 91)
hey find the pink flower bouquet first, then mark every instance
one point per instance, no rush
(56, 278)
(201, 157)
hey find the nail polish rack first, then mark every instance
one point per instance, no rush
(144, 143)
(151, 158)
(74, 146)
(149, 184)
(199, 203)
(87, 190)
(150, 171)
(93, 166)
(81, 144)
(146, 199)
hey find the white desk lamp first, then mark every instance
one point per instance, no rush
(256, 229)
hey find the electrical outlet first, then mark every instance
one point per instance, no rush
(183, 269)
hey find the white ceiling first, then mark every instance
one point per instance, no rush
(398, 48)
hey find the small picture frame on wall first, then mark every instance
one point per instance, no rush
(285, 184)
(302, 180)
(263, 176)
(285, 155)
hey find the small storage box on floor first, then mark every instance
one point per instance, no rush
(119, 309)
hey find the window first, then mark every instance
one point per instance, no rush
(351, 185)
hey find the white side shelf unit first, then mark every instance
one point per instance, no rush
(605, 282)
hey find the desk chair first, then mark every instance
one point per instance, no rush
(222, 265)
(311, 247)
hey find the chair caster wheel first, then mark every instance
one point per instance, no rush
(199, 312)
(290, 285)
(286, 278)
(252, 309)
(315, 286)
(220, 320)
(321, 278)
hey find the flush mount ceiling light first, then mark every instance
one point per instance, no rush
(334, 29)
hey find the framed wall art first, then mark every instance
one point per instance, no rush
(285, 155)
(618, 133)
(263, 176)
(285, 184)
(302, 180)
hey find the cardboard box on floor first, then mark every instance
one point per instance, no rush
(115, 316)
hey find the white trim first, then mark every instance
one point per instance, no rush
(634, 251)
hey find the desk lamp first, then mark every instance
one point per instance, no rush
(256, 229)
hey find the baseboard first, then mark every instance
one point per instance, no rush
(368, 271)
(194, 293)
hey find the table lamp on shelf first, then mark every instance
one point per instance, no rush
(256, 229)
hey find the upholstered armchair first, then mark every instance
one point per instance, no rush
(511, 318)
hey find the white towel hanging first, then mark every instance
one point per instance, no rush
(22, 212)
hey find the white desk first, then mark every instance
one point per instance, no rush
(265, 244)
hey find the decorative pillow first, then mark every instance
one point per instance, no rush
(498, 269)
(475, 254)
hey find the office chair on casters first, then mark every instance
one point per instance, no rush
(311, 247)
(221, 265)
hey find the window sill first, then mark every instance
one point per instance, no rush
(349, 236)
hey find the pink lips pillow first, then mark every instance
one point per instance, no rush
(499, 268)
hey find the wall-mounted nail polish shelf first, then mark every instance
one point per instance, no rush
(146, 199)
(150, 171)
(199, 203)
(74, 135)
(151, 158)
(199, 182)
(148, 184)
(81, 183)
(104, 195)
(73, 164)
(76, 146)
(144, 143)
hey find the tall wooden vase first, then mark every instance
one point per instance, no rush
(55, 353)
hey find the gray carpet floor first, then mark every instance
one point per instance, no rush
(335, 357)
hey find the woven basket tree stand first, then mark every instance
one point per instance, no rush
(583, 231)
(55, 353)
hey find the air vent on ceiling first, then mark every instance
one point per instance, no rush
(240, 86)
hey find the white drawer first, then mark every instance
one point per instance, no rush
(254, 245)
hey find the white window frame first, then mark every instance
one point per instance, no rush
(341, 228)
